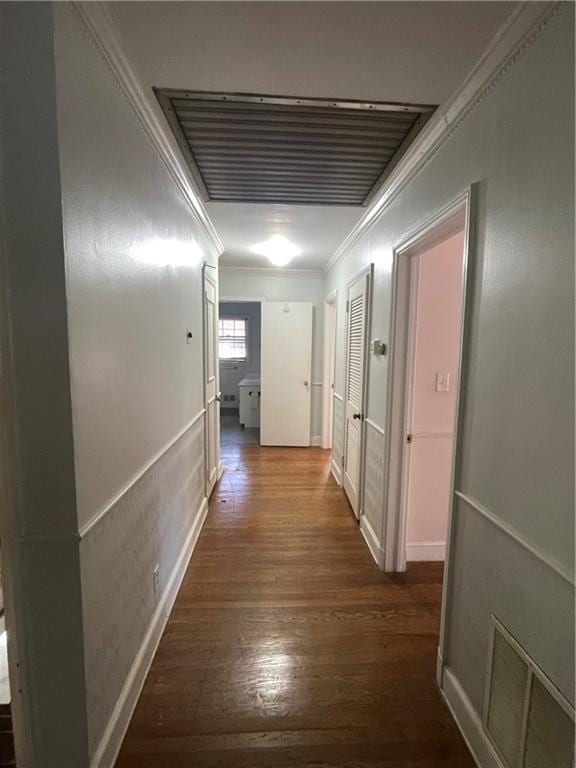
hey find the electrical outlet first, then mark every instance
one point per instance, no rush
(156, 578)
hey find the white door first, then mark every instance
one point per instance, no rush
(356, 332)
(286, 370)
(211, 384)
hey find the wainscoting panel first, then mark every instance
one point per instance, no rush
(501, 575)
(149, 525)
(338, 431)
(373, 499)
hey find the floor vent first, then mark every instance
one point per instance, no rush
(529, 722)
(273, 149)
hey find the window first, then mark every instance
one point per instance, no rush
(233, 339)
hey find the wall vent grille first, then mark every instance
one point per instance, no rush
(271, 149)
(529, 722)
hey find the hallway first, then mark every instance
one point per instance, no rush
(287, 646)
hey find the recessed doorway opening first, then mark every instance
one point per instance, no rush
(430, 269)
(239, 342)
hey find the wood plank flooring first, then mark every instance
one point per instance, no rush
(287, 647)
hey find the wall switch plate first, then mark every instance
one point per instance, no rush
(156, 578)
(442, 382)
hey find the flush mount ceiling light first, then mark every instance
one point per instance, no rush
(256, 148)
(278, 250)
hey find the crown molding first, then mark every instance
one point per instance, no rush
(315, 274)
(522, 28)
(101, 30)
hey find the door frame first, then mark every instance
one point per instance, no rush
(330, 307)
(368, 272)
(208, 488)
(458, 215)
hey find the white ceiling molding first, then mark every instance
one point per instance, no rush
(101, 30)
(316, 274)
(516, 35)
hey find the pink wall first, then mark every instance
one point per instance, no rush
(437, 345)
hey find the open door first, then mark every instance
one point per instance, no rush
(356, 348)
(211, 380)
(286, 370)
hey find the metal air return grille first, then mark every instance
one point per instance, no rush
(528, 720)
(266, 149)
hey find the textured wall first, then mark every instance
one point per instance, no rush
(148, 525)
(515, 456)
(133, 259)
(134, 253)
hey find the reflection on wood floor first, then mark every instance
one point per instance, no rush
(287, 647)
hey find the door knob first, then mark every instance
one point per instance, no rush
(219, 396)
(305, 383)
(357, 416)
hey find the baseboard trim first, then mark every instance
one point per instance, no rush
(426, 550)
(316, 441)
(109, 747)
(439, 668)
(336, 472)
(371, 539)
(469, 722)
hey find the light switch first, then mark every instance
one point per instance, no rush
(442, 382)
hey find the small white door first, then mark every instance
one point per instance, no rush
(286, 370)
(211, 384)
(356, 332)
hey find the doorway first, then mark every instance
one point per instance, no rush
(239, 356)
(428, 318)
(330, 313)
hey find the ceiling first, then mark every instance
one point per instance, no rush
(317, 229)
(415, 52)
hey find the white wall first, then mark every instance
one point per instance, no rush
(286, 286)
(514, 518)
(40, 558)
(134, 251)
(232, 373)
(104, 260)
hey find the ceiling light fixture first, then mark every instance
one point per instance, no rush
(278, 250)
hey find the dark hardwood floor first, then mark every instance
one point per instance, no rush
(287, 647)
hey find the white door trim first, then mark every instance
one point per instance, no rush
(240, 299)
(330, 316)
(457, 215)
(211, 478)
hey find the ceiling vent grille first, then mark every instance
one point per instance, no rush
(265, 149)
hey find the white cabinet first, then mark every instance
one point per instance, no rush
(249, 397)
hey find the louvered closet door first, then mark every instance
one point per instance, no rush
(355, 372)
